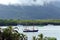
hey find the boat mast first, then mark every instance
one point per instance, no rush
(26, 25)
(33, 26)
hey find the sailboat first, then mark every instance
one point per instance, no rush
(28, 30)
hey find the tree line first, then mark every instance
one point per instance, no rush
(14, 22)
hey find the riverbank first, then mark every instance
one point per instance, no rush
(12, 22)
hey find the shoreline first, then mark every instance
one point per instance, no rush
(12, 22)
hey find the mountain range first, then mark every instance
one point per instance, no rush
(46, 11)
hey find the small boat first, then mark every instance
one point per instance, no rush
(28, 30)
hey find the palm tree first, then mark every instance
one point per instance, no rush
(15, 36)
(45, 38)
(34, 38)
(9, 32)
(51, 38)
(23, 37)
(40, 37)
(0, 34)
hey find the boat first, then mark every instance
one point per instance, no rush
(28, 30)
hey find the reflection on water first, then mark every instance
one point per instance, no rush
(49, 31)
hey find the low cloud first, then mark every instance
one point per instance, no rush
(26, 2)
(34, 2)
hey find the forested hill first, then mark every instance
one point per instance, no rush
(47, 11)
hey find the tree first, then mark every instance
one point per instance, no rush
(23, 37)
(51, 38)
(10, 33)
(34, 38)
(0, 34)
(40, 37)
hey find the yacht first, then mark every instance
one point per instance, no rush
(29, 30)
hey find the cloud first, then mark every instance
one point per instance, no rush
(30, 2)
(25, 2)
(8, 1)
(34, 2)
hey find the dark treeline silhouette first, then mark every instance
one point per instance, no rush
(12, 22)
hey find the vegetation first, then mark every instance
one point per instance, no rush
(11, 22)
(41, 37)
(11, 34)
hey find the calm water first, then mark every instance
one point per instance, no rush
(49, 31)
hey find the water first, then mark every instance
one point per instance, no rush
(49, 31)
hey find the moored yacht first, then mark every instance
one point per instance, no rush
(29, 30)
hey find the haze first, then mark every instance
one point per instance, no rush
(25, 2)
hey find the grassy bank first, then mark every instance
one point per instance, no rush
(28, 22)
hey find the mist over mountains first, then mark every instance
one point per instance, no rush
(26, 2)
(47, 11)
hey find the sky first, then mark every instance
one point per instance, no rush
(25, 2)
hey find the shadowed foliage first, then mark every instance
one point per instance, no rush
(10, 34)
(41, 37)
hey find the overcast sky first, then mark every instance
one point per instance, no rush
(25, 2)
